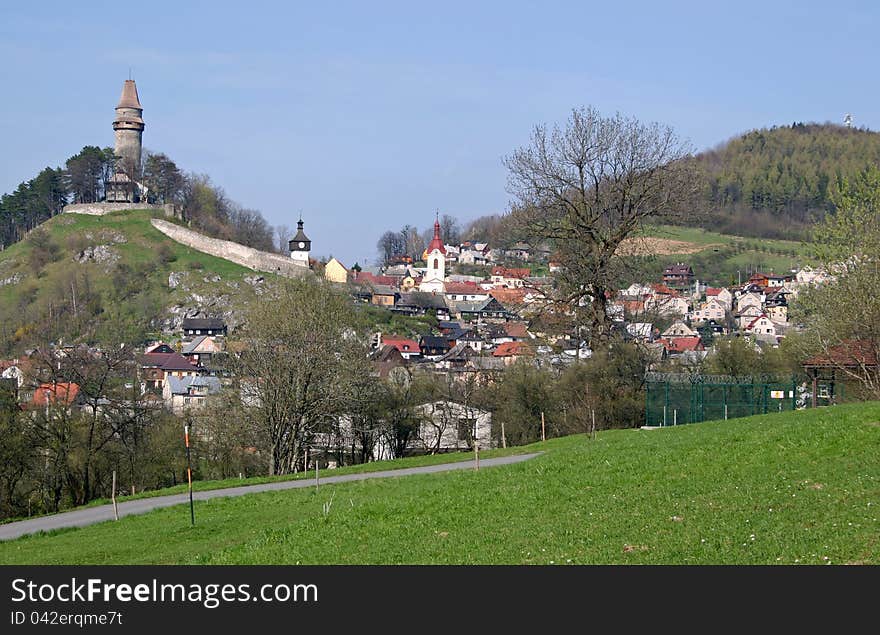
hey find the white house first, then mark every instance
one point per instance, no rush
(679, 329)
(16, 373)
(711, 310)
(447, 425)
(749, 299)
(723, 296)
(188, 392)
(640, 330)
(762, 326)
(668, 305)
(748, 315)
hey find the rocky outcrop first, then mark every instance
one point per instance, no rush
(97, 253)
(13, 279)
(228, 250)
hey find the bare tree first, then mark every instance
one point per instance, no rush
(589, 186)
(297, 348)
(284, 234)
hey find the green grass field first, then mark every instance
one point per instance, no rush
(799, 487)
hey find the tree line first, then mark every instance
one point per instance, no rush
(86, 178)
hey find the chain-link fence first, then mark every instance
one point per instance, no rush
(675, 399)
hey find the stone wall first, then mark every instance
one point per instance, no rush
(239, 254)
(100, 209)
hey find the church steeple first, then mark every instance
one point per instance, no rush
(435, 275)
(437, 242)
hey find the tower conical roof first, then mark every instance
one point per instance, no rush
(437, 242)
(129, 98)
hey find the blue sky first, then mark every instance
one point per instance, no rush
(368, 116)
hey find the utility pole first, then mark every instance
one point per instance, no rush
(192, 513)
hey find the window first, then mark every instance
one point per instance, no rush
(466, 429)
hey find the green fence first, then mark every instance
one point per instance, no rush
(676, 399)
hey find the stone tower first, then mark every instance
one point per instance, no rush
(128, 126)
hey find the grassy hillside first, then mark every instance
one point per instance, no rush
(52, 290)
(721, 259)
(798, 487)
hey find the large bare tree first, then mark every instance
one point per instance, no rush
(298, 350)
(590, 185)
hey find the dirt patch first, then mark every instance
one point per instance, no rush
(653, 246)
(632, 548)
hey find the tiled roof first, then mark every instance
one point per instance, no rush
(510, 349)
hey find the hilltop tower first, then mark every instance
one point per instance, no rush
(434, 278)
(128, 126)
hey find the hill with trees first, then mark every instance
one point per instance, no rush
(775, 182)
(84, 179)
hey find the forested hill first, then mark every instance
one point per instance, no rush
(775, 182)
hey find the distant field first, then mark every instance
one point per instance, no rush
(801, 487)
(716, 258)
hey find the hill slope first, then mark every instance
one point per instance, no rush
(774, 182)
(796, 487)
(81, 277)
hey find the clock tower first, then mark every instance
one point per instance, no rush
(300, 246)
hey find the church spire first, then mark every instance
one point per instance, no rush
(437, 241)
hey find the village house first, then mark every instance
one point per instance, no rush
(384, 295)
(200, 351)
(722, 295)
(156, 367)
(190, 391)
(56, 393)
(667, 305)
(767, 280)
(450, 426)
(679, 276)
(748, 315)
(473, 253)
(678, 346)
(762, 327)
(640, 330)
(203, 326)
(490, 309)
(408, 348)
(421, 303)
(465, 292)
(710, 310)
(508, 277)
(510, 352)
(433, 347)
(749, 299)
(385, 360)
(519, 251)
(678, 329)
(335, 271)
(778, 313)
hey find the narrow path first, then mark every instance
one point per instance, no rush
(92, 515)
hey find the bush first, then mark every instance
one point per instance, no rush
(166, 253)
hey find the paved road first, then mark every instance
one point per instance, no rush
(91, 515)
